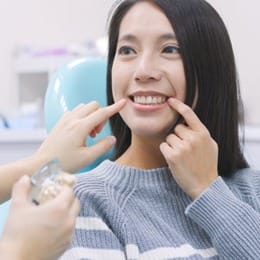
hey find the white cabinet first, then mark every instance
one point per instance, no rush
(33, 75)
(18, 144)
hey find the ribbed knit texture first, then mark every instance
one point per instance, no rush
(129, 213)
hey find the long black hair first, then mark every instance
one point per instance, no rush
(210, 69)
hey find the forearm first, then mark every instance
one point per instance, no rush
(11, 172)
(233, 225)
(8, 252)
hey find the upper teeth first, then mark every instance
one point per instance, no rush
(149, 100)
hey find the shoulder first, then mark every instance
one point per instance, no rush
(91, 181)
(244, 176)
(245, 182)
(92, 192)
(99, 192)
(100, 185)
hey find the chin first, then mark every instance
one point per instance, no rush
(151, 127)
(151, 132)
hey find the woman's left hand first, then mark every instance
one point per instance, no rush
(191, 153)
(67, 140)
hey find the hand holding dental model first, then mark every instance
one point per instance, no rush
(38, 232)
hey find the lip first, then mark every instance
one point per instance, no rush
(148, 107)
(148, 93)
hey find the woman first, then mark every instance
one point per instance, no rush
(180, 186)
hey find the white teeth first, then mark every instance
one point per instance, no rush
(149, 100)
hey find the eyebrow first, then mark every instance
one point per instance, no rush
(132, 38)
(168, 36)
(128, 37)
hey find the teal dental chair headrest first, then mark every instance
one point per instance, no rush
(80, 81)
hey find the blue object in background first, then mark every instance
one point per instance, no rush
(4, 210)
(80, 81)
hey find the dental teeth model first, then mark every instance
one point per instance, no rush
(47, 182)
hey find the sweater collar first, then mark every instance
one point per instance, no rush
(136, 176)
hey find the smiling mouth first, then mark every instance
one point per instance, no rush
(149, 100)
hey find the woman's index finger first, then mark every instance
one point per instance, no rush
(188, 114)
(115, 108)
(101, 115)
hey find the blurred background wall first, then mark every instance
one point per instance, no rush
(242, 20)
(38, 23)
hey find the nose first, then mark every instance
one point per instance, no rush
(147, 69)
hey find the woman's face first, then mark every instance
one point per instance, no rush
(147, 70)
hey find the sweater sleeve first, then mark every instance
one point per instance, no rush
(93, 237)
(233, 225)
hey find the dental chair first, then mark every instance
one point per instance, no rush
(80, 81)
(4, 209)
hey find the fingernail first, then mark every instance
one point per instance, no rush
(112, 139)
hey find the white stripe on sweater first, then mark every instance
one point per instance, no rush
(91, 224)
(93, 254)
(132, 252)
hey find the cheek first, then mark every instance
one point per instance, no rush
(179, 81)
(115, 79)
(181, 92)
(119, 81)
(116, 90)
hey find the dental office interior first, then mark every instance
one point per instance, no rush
(39, 37)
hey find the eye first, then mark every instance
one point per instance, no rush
(126, 50)
(171, 49)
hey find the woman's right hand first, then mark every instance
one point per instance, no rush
(67, 140)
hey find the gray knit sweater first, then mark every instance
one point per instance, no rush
(129, 213)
